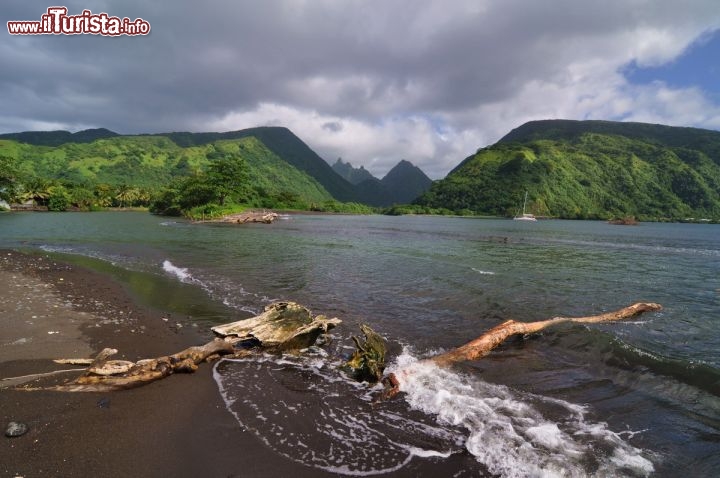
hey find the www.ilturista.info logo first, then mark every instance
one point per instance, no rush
(57, 22)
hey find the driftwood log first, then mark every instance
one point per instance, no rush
(282, 326)
(367, 363)
(287, 326)
(247, 217)
(105, 375)
(483, 345)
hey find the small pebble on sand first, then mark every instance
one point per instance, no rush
(16, 429)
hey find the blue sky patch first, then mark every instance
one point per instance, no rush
(698, 66)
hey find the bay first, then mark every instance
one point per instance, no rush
(633, 398)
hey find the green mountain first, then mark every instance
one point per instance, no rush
(285, 145)
(589, 169)
(703, 140)
(153, 162)
(100, 156)
(280, 141)
(373, 192)
(350, 174)
(56, 138)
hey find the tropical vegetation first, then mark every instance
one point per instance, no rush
(589, 170)
(570, 169)
(154, 172)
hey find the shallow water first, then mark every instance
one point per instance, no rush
(634, 398)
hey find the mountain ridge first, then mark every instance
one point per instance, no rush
(351, 174)
(59, 137)
(406, 182)
(589, 169)
(281, 141)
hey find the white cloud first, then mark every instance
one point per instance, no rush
(377, 146)
(372, 81)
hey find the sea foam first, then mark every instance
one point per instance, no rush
(229, 292)
(507, 430)
(511, 433)
(179, 272)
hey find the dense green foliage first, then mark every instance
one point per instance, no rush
(342, 207)
(284, 144)
(245, 172)
(571, 169)
(702, 140)
(8, 178)
(56, 138)
(593, 175)
(417, 209)
(133, 171)
(101, 157)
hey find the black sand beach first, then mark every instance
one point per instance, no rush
(175, 427)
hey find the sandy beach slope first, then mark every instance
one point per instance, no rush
(176, 427)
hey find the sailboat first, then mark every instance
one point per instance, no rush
(525, 216)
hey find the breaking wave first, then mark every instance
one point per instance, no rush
(516, 434)
(179, 272)
(320, 418)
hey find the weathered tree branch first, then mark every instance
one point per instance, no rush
(483, 345)
(110, 375)
(282, 326)
(286, 325)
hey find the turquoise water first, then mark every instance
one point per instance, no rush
(628, 398)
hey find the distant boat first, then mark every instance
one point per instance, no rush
(525, 216)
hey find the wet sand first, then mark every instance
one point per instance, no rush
(174, 427)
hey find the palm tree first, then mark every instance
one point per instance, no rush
(37, 190)
(126, 195)
(103, 195)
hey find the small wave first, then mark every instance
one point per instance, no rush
(509, 433)
(109, 258)
(338, 430)
(668, 250)
(179, 272)
(228, 292)
(695, 383)
(482, 272)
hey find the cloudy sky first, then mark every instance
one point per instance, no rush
(372, 82)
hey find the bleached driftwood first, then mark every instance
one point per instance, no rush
(289, 326)
(105, 375)
(483, 345)
(282, 326)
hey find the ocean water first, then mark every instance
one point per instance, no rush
(637, 398)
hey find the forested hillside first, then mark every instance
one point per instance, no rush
(592, 169)
(132, 170)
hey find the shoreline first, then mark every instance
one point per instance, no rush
(176, 427)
